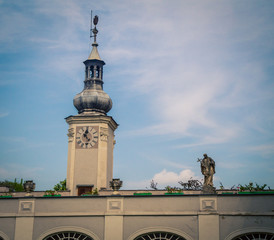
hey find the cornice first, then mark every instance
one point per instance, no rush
(79, 119)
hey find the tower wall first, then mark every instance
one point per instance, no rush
(90, 166)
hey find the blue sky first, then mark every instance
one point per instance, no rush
(185, 78)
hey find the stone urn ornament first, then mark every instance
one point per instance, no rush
(116, 184)
(29, 187)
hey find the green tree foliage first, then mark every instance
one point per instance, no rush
(173, 189)
(253, 187)
(61, 186)
(13, 186)
(92, 192)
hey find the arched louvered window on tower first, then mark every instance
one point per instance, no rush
(91, 72)
(68, 235)
(159, 236)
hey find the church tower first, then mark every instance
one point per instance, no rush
(91, 132)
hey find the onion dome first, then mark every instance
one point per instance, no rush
(93, 99)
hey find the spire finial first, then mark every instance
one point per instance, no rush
(93, 33)
(94, 30)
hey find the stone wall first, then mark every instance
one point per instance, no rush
(200, 217)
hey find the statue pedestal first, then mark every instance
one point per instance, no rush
(208, 189)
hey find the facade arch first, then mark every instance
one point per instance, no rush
(252, 234)
(164, 231)
(69, 229)
(3, 236)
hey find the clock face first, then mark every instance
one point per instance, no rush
(87, 137)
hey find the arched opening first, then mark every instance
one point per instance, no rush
(3, 236)
(160, 232)
(97, 72)
(68, 232)
(91, 74)
(255, 236)
(68, 235)
(159, 236)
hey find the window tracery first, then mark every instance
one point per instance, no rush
(159, 236)
(255, 236)
(68, 236)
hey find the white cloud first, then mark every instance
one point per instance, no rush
(232, 165)
(173, 164)
(165, 177)
(16, 24)
(218, 136)
(164, 161)
(188, 82)
(265, 150)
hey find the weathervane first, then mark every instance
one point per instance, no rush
(94, 30)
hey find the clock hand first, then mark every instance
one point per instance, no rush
(85, 134)
(86, 137)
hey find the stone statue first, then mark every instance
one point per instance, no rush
(207, 169)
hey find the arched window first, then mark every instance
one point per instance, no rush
(91, 73)
(159, 236)
(255, 236)
(3, 236)
(98, 72)
(68, 235)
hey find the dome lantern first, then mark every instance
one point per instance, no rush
(93, 99)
